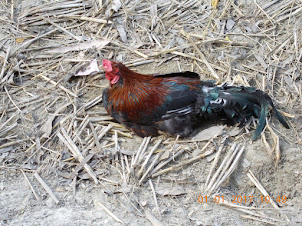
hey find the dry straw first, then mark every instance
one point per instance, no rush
(53, 123)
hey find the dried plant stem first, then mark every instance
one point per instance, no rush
(91, 141)
(92, 103)
(85, 18)
(95, 136)
(47, 188)
(7, 121)
(261, 188)
(80, 128)
(109, 212)
(178, 152)
(76, 152)
(31, 187)
(154, 196)
(29, 42)
(215, 162)
(203, 58)
(151, 166)
(11, 99)
(135, 159)
(142, 154)
(183, 164)
(276, 146)
(247, 210)
(228, 170)
(53, 82)
(14, 142)
(142, 169)
(4, 64)
(62, 29)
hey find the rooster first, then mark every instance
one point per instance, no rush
(175, 102)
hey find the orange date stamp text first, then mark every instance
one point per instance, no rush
(241, 199)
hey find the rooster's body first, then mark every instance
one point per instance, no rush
(175, 102)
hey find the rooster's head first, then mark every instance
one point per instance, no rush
(112, 71)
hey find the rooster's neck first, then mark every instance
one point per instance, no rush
(137, 94)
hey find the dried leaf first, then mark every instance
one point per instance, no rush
(116, 5)
(126, 152)
(153, 14)
(215, 3)
(174, 191)
(250, 27)
(99, 44)
(89, 69)
(6, 149)
(153, 10)
(165, 155)
(246, 163)
(288, 80)
(235, 131)
(227, 38)
(260, 59)
(299, 126)
(154, 221)
(230, 24)
(121, 30)
(197, 152)
(211, 157)
(47, 127)
(208, 133)
(20, 40)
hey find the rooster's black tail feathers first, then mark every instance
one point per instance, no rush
(236, 104)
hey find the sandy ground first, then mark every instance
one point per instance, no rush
(177, 193)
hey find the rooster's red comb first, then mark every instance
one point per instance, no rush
(107, 65)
